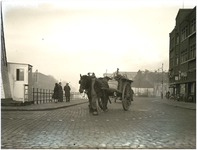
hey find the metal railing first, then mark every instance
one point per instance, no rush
(41, 96)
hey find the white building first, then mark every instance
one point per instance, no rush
(20, 77)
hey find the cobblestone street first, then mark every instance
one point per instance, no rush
(147, 124)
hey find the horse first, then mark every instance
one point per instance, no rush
(102, 95)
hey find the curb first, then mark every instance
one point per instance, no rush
(39, 109)
(175, 105)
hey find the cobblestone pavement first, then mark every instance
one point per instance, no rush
(148, 124)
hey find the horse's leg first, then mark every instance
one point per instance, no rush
(94, 104)
(97, 104)
(94, 97)
(90, 103)
(105, 102)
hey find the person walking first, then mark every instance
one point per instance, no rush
(55, 93)
(67, 92)
(60, 92)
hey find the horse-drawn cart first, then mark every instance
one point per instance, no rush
(103, 88)
(121, 90)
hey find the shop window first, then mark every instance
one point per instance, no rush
(20, 74)
(182, 88)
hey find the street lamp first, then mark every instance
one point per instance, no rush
(161, 81)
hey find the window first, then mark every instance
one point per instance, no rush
(193, 25)
(182, 88)
(177, 38)
(20, 74)
(184, 33)
(171, 62)
(184, 56)
(172, 42)
(177, 60)
(192, 88)
(176, 78)
(193, 51)
(172, 54)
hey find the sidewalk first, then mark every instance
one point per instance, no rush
(176, 103)
(45, 106)
(52, 106)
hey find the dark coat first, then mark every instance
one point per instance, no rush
(60, 93)
(67, 90)
(55, 94)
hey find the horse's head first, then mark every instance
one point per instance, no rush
(84, 83)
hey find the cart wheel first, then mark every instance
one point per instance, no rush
(126, 96)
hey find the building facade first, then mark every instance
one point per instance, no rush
(182, 56)
(5, 83)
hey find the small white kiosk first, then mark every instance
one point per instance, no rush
(20, 76)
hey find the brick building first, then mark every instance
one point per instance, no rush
(182, 56)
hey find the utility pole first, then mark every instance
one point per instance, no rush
(162, 82)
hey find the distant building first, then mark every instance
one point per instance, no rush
(42, 81)
(182, 56)
(148, 83)
(129, 75)
(115, 84)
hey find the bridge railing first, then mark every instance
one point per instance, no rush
(41, 96)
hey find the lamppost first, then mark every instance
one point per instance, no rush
(161, 81)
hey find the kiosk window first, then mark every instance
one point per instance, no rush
(20, 74)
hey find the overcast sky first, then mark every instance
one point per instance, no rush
(66, 38)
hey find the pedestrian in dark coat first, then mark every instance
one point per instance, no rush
(67, 92)
(60, 92)
(55, 93)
